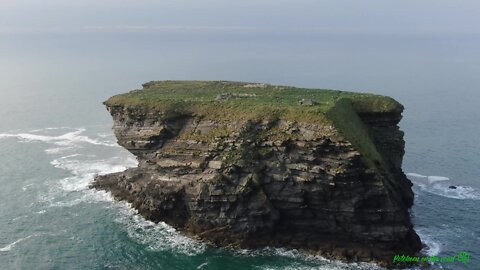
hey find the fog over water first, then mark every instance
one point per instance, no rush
(60, 60)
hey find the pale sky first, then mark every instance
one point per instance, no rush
(73, 54)
(428, 17)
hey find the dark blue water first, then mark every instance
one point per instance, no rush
(55, 136)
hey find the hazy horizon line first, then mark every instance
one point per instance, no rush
(99, 29)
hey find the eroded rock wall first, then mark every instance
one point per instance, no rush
(267, 182)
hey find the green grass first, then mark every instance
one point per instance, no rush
(198, 98)
(264, 102)
(349, 124)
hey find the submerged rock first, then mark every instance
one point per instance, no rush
(325, 179)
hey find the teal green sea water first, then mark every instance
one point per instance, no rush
(50, 219)
(55, 136)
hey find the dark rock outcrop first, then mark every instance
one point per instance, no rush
(269, 182)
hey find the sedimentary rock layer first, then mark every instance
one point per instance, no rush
(332, 187)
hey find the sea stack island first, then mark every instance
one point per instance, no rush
(250, 165)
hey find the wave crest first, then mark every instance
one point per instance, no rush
(66, 139)
(442, 186)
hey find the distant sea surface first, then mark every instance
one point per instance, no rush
(55, 135)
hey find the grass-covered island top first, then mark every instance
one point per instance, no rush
(249, 165)
(226, 100)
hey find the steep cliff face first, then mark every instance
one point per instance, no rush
(334, 186)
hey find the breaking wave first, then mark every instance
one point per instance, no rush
(66, 139)
(11, 245)
(317, 262)
(74, 189)
(82, 167)
(84, 170)
(442, 186)
(432, 247)
(156, 237)
(76, 153)
(352, 266)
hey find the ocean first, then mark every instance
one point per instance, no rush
(55, 135)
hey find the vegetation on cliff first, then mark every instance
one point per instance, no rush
(250, 165)
(224, 100)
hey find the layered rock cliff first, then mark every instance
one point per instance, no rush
(252, 165)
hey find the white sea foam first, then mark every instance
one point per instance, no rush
(83, 165)
(416, 175)
(73, 190)
(19, 217)
(432, 179)
(82, 168)
(58, 150)
(433, 247)
(76, 183)
(460, 192)
(24, 188)
(202, 265)
(444, 190)
(67, 139)
(68, 203)
(50, 128)
(319, 261)
(11, 245)
(157, 237)
(282, 252)
(84, 171)
(327, 266)
(87, 195)
(99, 196)
(441, 186)
(303, 267)
(105, 135)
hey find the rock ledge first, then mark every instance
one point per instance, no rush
(325, 178)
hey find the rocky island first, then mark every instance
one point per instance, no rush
(252, 165)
